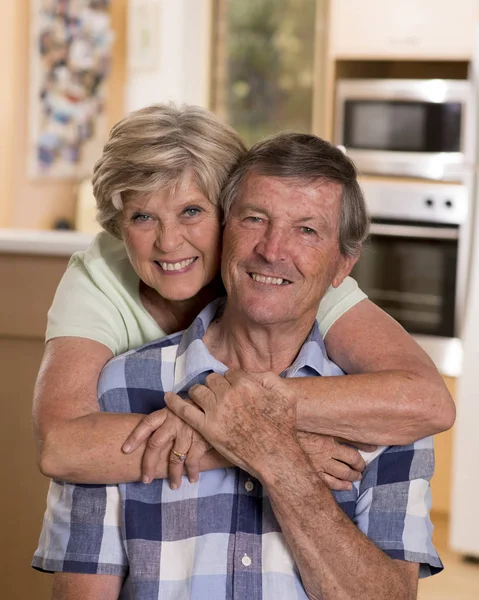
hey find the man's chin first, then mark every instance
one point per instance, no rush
(261, 315)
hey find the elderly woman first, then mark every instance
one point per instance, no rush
(152, 270)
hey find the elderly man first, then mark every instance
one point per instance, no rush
(268, 528)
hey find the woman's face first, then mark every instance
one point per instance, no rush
(173, 241)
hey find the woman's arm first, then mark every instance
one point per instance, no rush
(393, 394)
(76, 442)
(70, 432)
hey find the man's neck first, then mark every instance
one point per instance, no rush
(241, 344)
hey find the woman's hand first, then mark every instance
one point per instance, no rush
(337, 465)
(167, 433)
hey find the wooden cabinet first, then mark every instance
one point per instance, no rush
(410, 29)
(442, 480)
(29, 283)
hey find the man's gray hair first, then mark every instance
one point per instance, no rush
(308, 159)
(157, 148)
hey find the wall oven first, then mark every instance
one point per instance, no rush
(413, 264)
(405, 127)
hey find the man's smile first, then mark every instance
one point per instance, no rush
(269, 279)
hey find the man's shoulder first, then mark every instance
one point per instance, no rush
(152, 362)
(162, 348)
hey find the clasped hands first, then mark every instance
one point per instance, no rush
(245, 417)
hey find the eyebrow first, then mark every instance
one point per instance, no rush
(318, 221)
(137, 204)
(254, 208)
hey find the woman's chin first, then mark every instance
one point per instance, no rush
(179, 295)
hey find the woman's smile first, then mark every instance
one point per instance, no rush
(177, 267)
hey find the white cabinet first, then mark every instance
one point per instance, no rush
(169, 52)
(403, 29)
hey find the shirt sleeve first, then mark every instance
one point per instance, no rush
(336, 302)
(81, 309)
(394, 501)
(82, 531)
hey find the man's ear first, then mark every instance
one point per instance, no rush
(345, 265)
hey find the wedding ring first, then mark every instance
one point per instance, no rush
(179, 455)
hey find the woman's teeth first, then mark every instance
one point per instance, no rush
(175, 266)
(272, 280)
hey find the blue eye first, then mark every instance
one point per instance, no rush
(308, 230)
(141, 218)
(254, 219)
(192, 211)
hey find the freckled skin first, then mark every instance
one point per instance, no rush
(282, 228)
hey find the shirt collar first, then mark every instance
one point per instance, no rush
(194, 359)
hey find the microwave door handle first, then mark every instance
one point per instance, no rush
(414, 231)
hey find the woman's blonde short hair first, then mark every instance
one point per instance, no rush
(156, 148)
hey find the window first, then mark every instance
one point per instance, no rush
(263, 65)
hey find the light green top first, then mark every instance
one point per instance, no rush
(98, 298)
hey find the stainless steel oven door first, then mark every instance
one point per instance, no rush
(409, 270)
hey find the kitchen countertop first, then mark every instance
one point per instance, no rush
(43, 242)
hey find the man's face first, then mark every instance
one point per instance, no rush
(281, 249)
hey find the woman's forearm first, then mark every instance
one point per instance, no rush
(88, 450)
(386, 408)
(393, 394)
(74, 441)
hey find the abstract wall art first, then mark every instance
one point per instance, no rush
(69, 65)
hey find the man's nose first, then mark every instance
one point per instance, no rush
(273, 246)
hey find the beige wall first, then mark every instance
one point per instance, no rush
(37, 204)
(7, 73)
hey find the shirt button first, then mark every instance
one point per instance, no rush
(246, 560)
(249, 485)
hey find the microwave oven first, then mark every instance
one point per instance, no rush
(404, 127)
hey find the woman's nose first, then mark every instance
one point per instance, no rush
(168, 239)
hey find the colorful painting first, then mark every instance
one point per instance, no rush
(70, 62)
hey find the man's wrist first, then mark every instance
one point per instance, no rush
(284, 464)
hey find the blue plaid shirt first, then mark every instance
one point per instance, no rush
(218, 538)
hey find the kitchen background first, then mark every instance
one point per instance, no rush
(394, 82)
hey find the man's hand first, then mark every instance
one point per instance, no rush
(245, 417)
(337, 464)
(166, 432)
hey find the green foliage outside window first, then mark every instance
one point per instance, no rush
(269, 60)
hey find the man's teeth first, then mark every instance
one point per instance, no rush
(176, 266)
(272, 280)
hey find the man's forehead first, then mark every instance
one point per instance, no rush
(266, 189)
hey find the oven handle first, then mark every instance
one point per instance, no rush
(414, 231)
